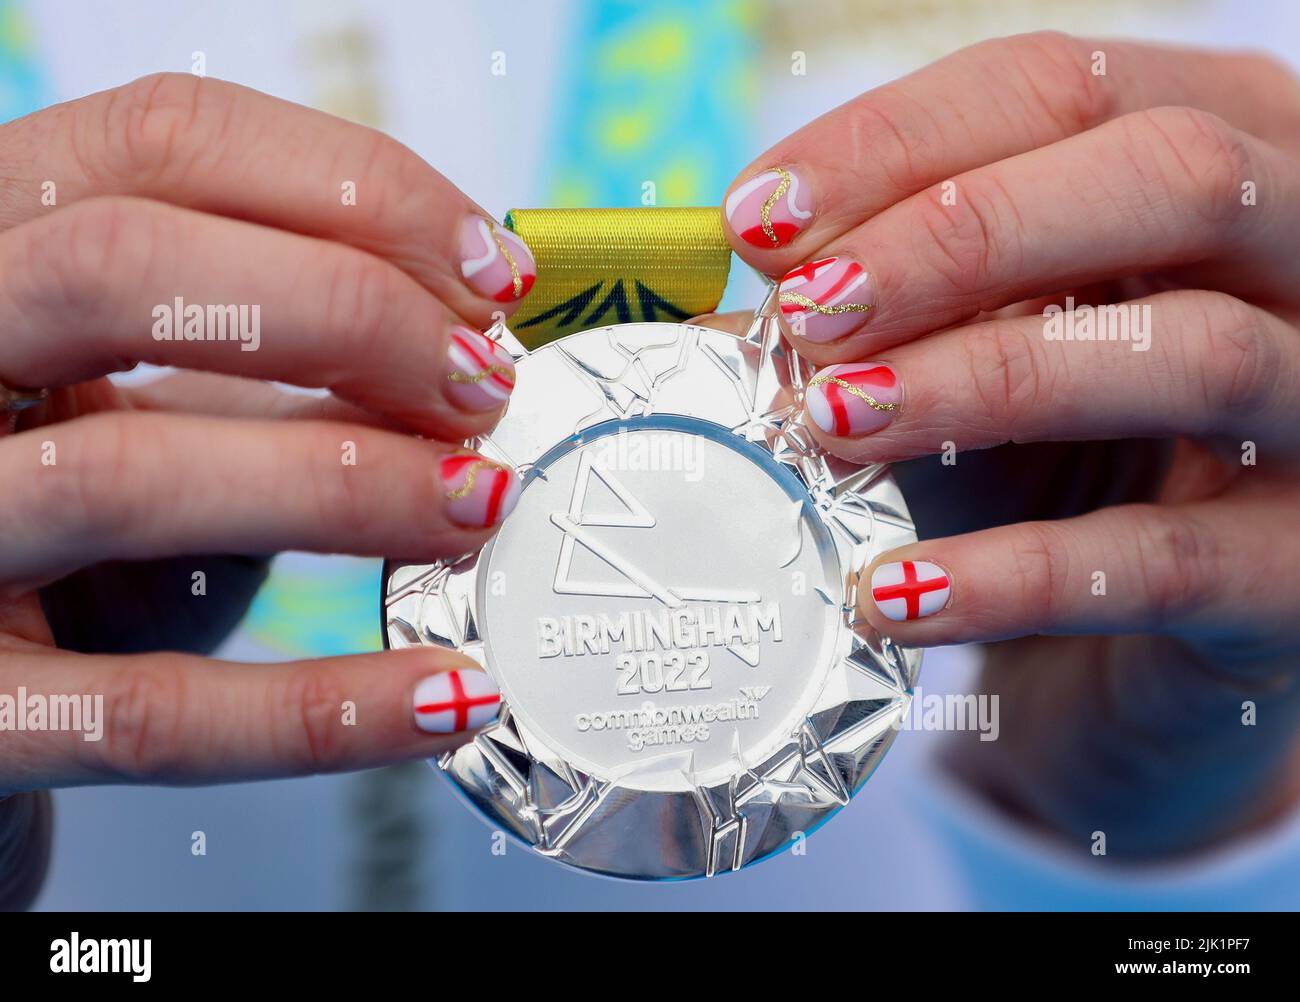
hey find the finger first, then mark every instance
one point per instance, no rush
(230, 396)
(177, 719)
(225, 149)
(138, 486)
(1202, 570)
(1160, 190)
(98, 287)
(985, 103)
(1190, 363)
(735, 322)
(203, 393)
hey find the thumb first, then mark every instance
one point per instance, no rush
(173, 718)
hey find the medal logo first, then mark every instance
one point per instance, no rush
(736, 620)
(576, 521)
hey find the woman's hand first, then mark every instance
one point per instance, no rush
(350, 264)
(929, 234)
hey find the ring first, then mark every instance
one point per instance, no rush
(12, 401)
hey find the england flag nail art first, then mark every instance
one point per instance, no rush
(456, 701)
(910, 589)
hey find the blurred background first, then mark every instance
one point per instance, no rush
(589, 100)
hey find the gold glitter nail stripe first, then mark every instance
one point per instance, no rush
(848, 387)
(765, 213)
(482, 374)
(799, 299)
(515, 280)
(471, 474)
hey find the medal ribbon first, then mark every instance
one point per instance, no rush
(616, 266)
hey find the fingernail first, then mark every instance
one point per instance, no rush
(480, 372)
(494, 261)
(824, 300)
(456, 701)
(770, 209)
(480, 493)
(854, 399)
(910, 589)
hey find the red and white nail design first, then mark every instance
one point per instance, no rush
(910, 589)
(824, 300)
(769, 210)
(494, 261)
(479, 492)
(480, 372)
(456, 701)
(854, 399)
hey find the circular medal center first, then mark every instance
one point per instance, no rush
(656, 609)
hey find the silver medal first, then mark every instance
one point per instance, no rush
(669, 611)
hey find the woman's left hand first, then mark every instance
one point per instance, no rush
(929, 234)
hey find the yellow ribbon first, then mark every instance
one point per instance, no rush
(609, 266)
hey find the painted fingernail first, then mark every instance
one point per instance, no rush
(480, 372)
(910, 589)
(479, 492)
(854, 399)
(824, 300)
(769, 210)
(456, 701)
(494, 261)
